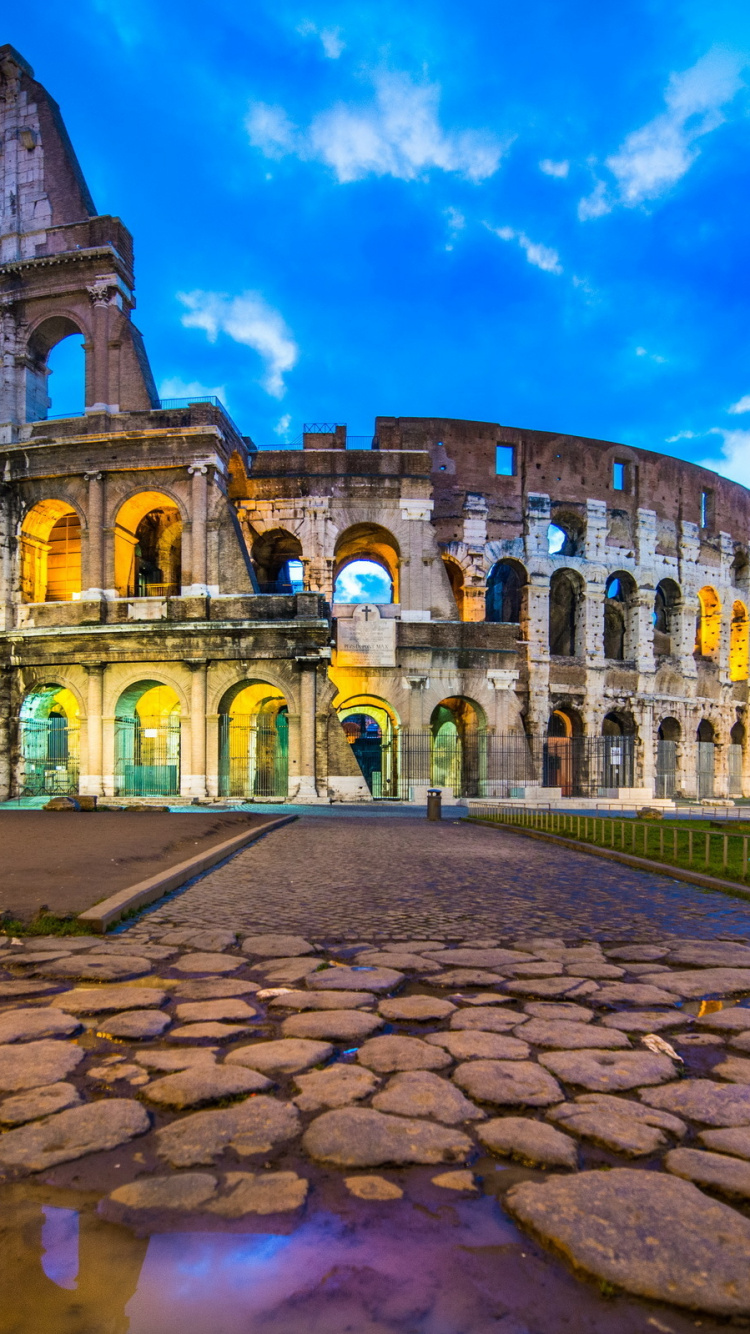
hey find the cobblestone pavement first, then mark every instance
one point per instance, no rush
(360, 876)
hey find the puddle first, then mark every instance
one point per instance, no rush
(412, 1266)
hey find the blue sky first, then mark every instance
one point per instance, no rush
(533, 214)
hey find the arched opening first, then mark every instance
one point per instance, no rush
(565, 607)
(666, 605)
(738, 643)
(56, 370)
(565, 536)
(51, 553)
(616, 766)
(49, 742)
(457, 749)
(277, 558)
(736, 750)
(148, 547)
(741, 569)
(708, 624)
(562, 758)
(366, 564)
(668, 736)
(619, 628)
(705, 758)
(369, 727)
(147, 741)
(504, 597)
(456, 580)
(254, 742)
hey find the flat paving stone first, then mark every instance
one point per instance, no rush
(534, 970)
(201, 940)
(398, 959)
(333, 1025)
(422, 1093)
(550, 986)
(461, 1179)
(283, 1057)
(37, 1102)
(711, 954)
(255, 1126)
(577, 1014)
(25, 987)
(175, 1060)
(634, 993)
(361, 1137)
(734, 1068)
(385, 1055)
(604, 1071)
(703, 1100)
(260, 1193)
(210, 1011)
(594, 970)
(27, 1065)
(611, 1127)
(735, 1019)
(92, 1128)
(480, 1045)
(355, 979)
(643, 1021)
(716, 1171)
(184, 1193)
(214, 988)
(100, 1000)
(486, 1021)
(208, 1032)
(207, 963)
(465, 977)
(705, 982)
(480, 958)
(637, 953)
(416, 1008)
(531, 1142)
(276, 946)
(96, 967)
(735, 1141)
(136, 1024)
(483, 998)
(650, 1234)
(508, 1083)
(25, 1025)
(338, 1085)
(285, 973)
(321, 1000)
(373, 1188)
(566, 1036)
(740, 1040)
(202, 1084)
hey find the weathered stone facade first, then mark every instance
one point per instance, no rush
(564, 612)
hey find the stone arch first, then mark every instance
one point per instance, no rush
(566, 597)
(50, 552)
(45, 334)
(457, 745)
(272, 553)
(505, 589)
(667, 599)
(708, 624)
(49, 740)
(148, 544)
(147, 739)
(371, 727)
(145, 674)
(620, 617)
(573, 529)
(254, 741)
(372, 543)
(738, 643)
(669, 729)
(618, 722)
(456, 579)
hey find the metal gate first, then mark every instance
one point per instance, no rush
(735, 770)
(705, 768)
(254, 756)
(666, 768)
(49, 756)
(147, 757)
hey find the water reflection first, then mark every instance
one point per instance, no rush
(60, 1245)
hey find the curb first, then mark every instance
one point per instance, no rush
(626, 859)
(110, 910)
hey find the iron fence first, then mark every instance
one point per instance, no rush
(705, 762)
(666, 769)
(147, 757)
(49, 751)
(254, 756)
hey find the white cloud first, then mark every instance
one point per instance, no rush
(282, 425)
(735, 455)
(398, 134)
(174, 387)
(544, 257)
(363, 581)
(550, 168)
(655, 157)
(249, 320)
(684, 435)
(456, 223)
(742, 405)
(652, 356)
(330, 38)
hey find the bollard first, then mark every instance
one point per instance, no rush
(434, 803)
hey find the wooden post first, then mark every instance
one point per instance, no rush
(690, 847)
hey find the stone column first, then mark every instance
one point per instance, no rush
(91, 781)
(199, 510)
(198, 728)
(95, 530)
(102, 293)
(642, 613)
(6, 766)
(307, 790)
(645, 751)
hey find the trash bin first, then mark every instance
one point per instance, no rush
(434, 803)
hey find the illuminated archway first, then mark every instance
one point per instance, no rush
(148, 546)
(49, 742)
(458, 758)
(456, 580)
(51, 553)
(376, 552)
(738, 643)
(254, 742)
(708, 626)
(147, 741)
(277, 559)
(370, 728)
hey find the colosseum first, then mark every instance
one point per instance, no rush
(549, 617)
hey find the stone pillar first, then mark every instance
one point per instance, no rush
(198, 728)
(103, 294)
(642, 613)
(95, 531)
(645, 751)
(685, 634)
(6, 563)
(6, 766)
(199, 510)
(307, 789)
(91, 781)
(414, 580)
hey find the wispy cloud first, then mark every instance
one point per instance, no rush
(652, 356)
(175, 387)
(734, 461)
(742, 405)
(456, 223)
(544, 257)
(684, 435)
(550, 168)
(652, 159)
(397, 134)
(330, 38)
(249, 320)
(282, 425)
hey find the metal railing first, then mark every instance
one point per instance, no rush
(49, 756)
(165, 403)
(147, 757)
(253, 756)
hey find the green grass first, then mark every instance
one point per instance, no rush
(44, 924)
(691, 845)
